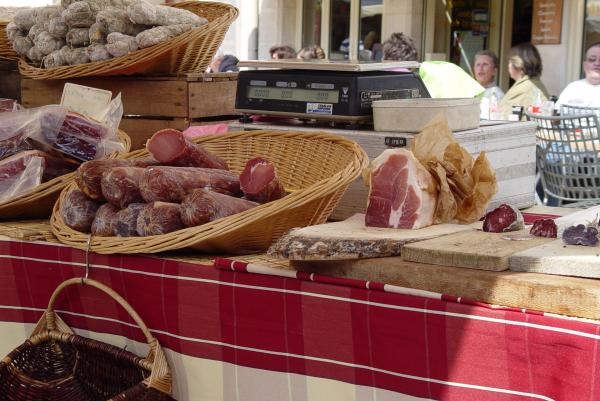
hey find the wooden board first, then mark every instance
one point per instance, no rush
(351, 239)
(569, 296)
(209, 99)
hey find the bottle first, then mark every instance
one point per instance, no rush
(494, 106)
(536, 106)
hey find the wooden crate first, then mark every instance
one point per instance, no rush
(151, 103)
(10, 82)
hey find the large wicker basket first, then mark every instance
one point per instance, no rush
(38, 203)
(188, 52)
(55, 364)
(315, 168)
(6, 50)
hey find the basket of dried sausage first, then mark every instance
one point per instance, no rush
(230, 193)
(56, 364)
(39, 151)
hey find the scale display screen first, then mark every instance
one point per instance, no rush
(294, 94)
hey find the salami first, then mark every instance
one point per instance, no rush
(104, 220)
(259, 181)
(78, 211)
(171, 184)
(503, 219)
(121, 185)
(125, 222)
(580, 235)
(202, 206)
(159, 218)
(544, 228)
(89, 174)
(170, 146)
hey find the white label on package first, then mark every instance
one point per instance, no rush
(319, 108)
(91, 102)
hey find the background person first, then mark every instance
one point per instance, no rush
(585, 92)
(399, 47)
(485, 67)
(282, 51)
(312, 52)
(525, 67)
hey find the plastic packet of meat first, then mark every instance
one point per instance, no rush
(8, 105)
(22, 181)
(15, 129)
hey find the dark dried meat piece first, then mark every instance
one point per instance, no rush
(580, 235)
(259, 181)
(544, 228)
(158, 218)
(503, 219)
(125, 222)
(104, 220)
(121, 185)
(202, 206)
(78, 211)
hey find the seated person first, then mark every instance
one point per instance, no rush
(281, 52)
(585, 92)
(485, 69)
(399, 47)
(311, 52)
(525, 67)
(224, 63)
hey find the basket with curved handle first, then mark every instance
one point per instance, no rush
(52, 326)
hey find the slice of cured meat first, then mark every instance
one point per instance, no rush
(580, 235)
(104, 220)
(78, 211)
(159, 218)
(402, 194)
(89, 174)
(172, 184)
(503, 219)
(544, 228)
(259, 181)
(125, 222)
(202, 206)
(170, 146)
(121, 185)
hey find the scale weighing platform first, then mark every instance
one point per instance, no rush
(323, 89)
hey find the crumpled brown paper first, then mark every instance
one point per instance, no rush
(465, 186)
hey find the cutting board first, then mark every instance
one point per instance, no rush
(351, 239)
(473, 248)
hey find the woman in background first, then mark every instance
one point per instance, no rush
(311, 52)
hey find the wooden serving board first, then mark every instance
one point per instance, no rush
(351, 239)
(474, 249)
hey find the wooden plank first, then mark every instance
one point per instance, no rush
(155, 98)
(10, 85)
(141, 129)
(472, 249)
(208, 99)
(351, 239)
(570, 296)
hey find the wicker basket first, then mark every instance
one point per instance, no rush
(315, 168)
(189, 52)
(55, 364)
(38, 203)
(6, 50)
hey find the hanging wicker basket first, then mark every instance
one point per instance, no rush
(56, 364)
(189, 52)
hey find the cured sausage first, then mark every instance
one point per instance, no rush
(580, 235)
(159, 218)
(202, 206)
(544, 228)
(89, 175)
(172, 184)
(104, 220)
(121, 185)
(125, 222)
(78, 211)
(259, 181)
(170, 146)
(503, 219)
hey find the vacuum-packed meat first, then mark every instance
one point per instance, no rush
(503, 219)
(89, 174)
(544, 228)
(170, 146)
(402, 192)
(121, 185)
(171, 184)
(104, 220)
(19, 176)
(159, 218)
(78, 211)
(125, 222)
(259, 181)
(202, 206)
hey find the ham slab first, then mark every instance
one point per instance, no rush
(402, 192)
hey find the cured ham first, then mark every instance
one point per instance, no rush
(402, 194)
(504, 218)
(202, 206)
(170, 146)
(259, 181)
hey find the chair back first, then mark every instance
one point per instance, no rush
(568, 156)
(568, 110)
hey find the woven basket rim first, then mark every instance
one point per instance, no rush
(189, 236)
(139, 56)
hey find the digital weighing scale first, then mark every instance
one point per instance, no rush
(323, 90)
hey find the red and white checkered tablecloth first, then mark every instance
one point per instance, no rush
(246, 332)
